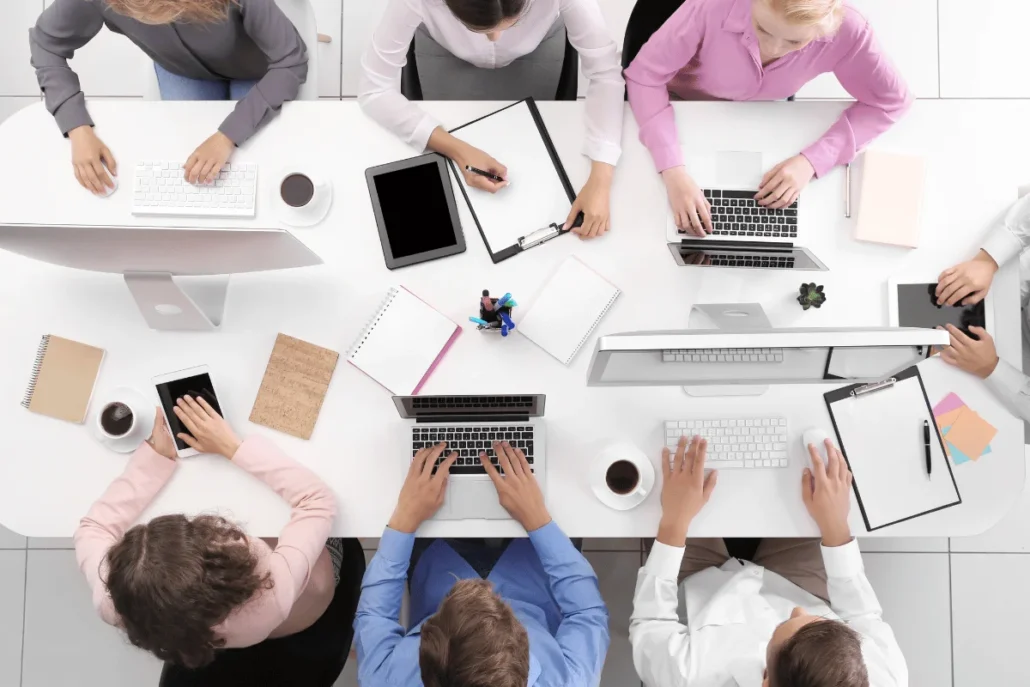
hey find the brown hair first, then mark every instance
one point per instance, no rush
(168, 11)
(474, 640)
(826, 653)
(175, 578)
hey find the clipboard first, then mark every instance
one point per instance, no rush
(534, 186)
(879, 430)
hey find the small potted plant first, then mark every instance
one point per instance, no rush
(811, 295)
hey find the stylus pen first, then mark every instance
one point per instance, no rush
(847, 191)
(926, 446)
(489, 175)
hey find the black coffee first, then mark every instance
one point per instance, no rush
(116, 419)
(622, 477)
(297, 190)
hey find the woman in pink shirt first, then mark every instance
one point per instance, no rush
(761, 50)
(183, 587)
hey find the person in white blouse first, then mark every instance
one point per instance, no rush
(494, 50)
(968, 283)
(806, 616)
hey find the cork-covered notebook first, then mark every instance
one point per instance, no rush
(294, 386)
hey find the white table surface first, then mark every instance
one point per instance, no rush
(52, 471)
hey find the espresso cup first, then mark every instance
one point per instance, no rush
(116, 419)
(622, 477)
(297, 190)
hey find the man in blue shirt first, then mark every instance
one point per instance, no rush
(542, 624)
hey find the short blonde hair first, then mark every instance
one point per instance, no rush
(168, 11)
(826, 13)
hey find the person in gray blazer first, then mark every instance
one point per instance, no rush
(245, 50)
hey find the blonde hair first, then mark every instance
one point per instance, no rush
(168, 11)
(826, 13)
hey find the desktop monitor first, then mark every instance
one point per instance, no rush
(151, 258)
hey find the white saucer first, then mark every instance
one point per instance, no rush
(615, 501)
(312, 213)
(142, 408)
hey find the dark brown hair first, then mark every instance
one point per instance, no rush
(474, 640)
(175, 578)
(484, 15)
(826, 653)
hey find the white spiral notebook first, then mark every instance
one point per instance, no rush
(568, 309)
(403, 342)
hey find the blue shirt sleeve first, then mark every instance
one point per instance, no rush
(376, 630)
(583, 633)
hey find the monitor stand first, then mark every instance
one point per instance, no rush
(194, 304)
(728, 317)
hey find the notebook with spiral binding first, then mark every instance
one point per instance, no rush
(403, 343)
(568, 309)
(63, 378)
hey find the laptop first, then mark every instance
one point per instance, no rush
(744, 234)
(470, 425)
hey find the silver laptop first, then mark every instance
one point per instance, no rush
(470, 425)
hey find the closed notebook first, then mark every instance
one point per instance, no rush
(403, 343)
(63, 379)
(568, 309)
(294, 386)
(890, 203)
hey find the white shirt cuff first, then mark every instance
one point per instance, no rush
(664, 561)
(843, 561)
(1002, 245)
(602, 151)
(1006, 379)
(425, 128)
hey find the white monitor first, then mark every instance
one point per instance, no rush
(149, 258)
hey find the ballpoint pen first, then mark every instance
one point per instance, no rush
(489, 175)
(926, 447)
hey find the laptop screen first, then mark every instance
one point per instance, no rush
(414, 407)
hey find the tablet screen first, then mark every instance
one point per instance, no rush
(917, 307)
(170, 392)
(415, 210)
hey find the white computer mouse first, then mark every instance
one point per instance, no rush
(108, 190)
(816, 436)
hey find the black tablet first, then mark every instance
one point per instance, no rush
(415, 211)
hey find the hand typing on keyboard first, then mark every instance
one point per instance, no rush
(518, 489)
(685, 488)
(782, 184)
(207, 160)
(423, 491)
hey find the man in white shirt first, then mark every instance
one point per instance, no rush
(799, 620)
(967, 283)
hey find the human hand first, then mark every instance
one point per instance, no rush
(517, 490)
(782, 184)
(690, 208)
(593, 201)
(211, 433)
(826, 491)
(89, 157)
(161, 439)
(203, 166)
(685, 489)
(423, 492)
(966, 282)
(975, 357)
(469, 156)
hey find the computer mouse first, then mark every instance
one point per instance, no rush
(108, 190)
(816, 436)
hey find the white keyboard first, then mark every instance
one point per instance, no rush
(724, 355)
(757, 442)
(160, 188)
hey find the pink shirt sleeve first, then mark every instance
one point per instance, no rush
(668, 50)
(112, 514)
(883, 98)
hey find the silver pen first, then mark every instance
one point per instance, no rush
(847, 191)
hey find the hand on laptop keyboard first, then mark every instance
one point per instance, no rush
(423, 491)
(690, 208)
(782, 184)
(517, 489)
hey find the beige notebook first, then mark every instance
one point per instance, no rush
(63, 378)
(890, 202)
(294, 386)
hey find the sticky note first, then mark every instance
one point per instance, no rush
(948, 418)
(971, 434)
(957, 456)
(949, 403)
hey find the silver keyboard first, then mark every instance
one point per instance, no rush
(724, 355)
(755, 442)
(160, 188)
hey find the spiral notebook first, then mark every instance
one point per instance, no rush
(63, 378)
(568, 309)
(403, 343)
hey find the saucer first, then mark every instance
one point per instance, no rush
(143, 428)
(309, 215)
(615, 501)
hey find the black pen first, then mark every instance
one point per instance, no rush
(489, 175)
(926, 446)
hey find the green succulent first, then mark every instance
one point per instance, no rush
(810, 295)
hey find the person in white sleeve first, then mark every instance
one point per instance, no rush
(806, 616)
(967, 283)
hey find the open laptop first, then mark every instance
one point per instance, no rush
(745, 234)
(470, 425)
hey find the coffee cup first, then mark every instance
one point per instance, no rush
(116, 420)
(621, 475)
(623, 478)
(297, 189)
(303, 197)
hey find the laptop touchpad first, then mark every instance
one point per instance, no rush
(477, 499)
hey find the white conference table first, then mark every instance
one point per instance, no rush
(51, 471)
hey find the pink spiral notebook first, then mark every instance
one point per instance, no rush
(403, 343)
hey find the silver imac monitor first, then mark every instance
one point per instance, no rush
(179, 277)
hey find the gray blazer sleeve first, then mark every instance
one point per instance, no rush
(276, 36)
(61, 29)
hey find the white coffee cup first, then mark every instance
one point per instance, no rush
(622, 476)
(125, 419)
(302, 197)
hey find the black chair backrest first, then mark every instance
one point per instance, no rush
(646, 18)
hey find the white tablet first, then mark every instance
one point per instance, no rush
(194, 381)
(912, 303)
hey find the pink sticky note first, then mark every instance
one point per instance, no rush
(950, 402)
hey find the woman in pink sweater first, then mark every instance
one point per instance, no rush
(761, 50)
(185, 587)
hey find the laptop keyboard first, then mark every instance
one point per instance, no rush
(735, 213)
(771, 262)
(470, 441)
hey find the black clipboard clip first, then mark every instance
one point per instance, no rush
(874, 387)
(547, 233)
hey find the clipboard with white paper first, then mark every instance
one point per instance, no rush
(532, 209)
(879, 429)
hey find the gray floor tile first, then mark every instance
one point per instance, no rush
(913, 589)
(605, 544)
(990, 607)
(617, 575)
(51, 543)
(11, 540)
(66, 640)
(12, 601)
(903, 544)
